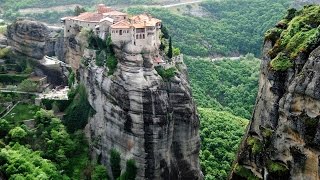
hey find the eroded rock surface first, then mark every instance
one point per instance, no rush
(144, 117)
(35, 40)
(282, 141)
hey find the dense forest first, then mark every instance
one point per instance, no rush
(221, 133)
(229, 85)
(233, 27)
(230, 27)
(225, 93)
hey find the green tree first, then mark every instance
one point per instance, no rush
(28, 85)
(17, 134)
(131, 171)
(115, 161)
(170, 51)
(79, 110)
(165, 32)
(176, 51)
(100, 173)
(4, 127)
(78, 10)
(19, 162)
(44, 117)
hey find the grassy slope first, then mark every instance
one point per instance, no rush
(22, 112)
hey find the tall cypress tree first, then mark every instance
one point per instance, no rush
(170, 48)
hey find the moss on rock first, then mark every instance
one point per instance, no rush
(299, 33)
(245, 173)
(255, 144)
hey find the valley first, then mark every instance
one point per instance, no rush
(114, 103)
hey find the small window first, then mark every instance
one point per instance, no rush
(143, 36)
(88, 24)
(137, 37)
(68, 30)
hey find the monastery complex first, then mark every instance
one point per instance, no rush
(141, 30)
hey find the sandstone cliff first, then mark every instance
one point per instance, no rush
(283, 138)
(141, 115)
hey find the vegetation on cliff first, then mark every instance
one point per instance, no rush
(79, 110)
(297, 34)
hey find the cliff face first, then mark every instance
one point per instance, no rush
(144, 117)
(283, 138)
(35, 40)
(32, 40)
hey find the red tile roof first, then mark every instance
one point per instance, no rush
(121, 25)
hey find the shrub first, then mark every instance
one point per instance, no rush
(4, 127)
(273, 34)
(28, 85)
(78, 111)
(17, 134)
(276, 167)
(4, 52)
(112, 63)
(12, 78)
(71, 79)
(166, 73)
(115, 161)
(245, 173)
(256, 145)
(176, 51)
(131, 171)
(99, 173)
(267, 132)
(281, 63)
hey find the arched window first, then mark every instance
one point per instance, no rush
(143, 36)
(137, 37)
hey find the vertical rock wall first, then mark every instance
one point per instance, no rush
(282, 141)
(144, 117)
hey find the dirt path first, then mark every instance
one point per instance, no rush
(182, 3)
(121, 6)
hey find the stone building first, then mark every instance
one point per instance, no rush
(142, 31)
